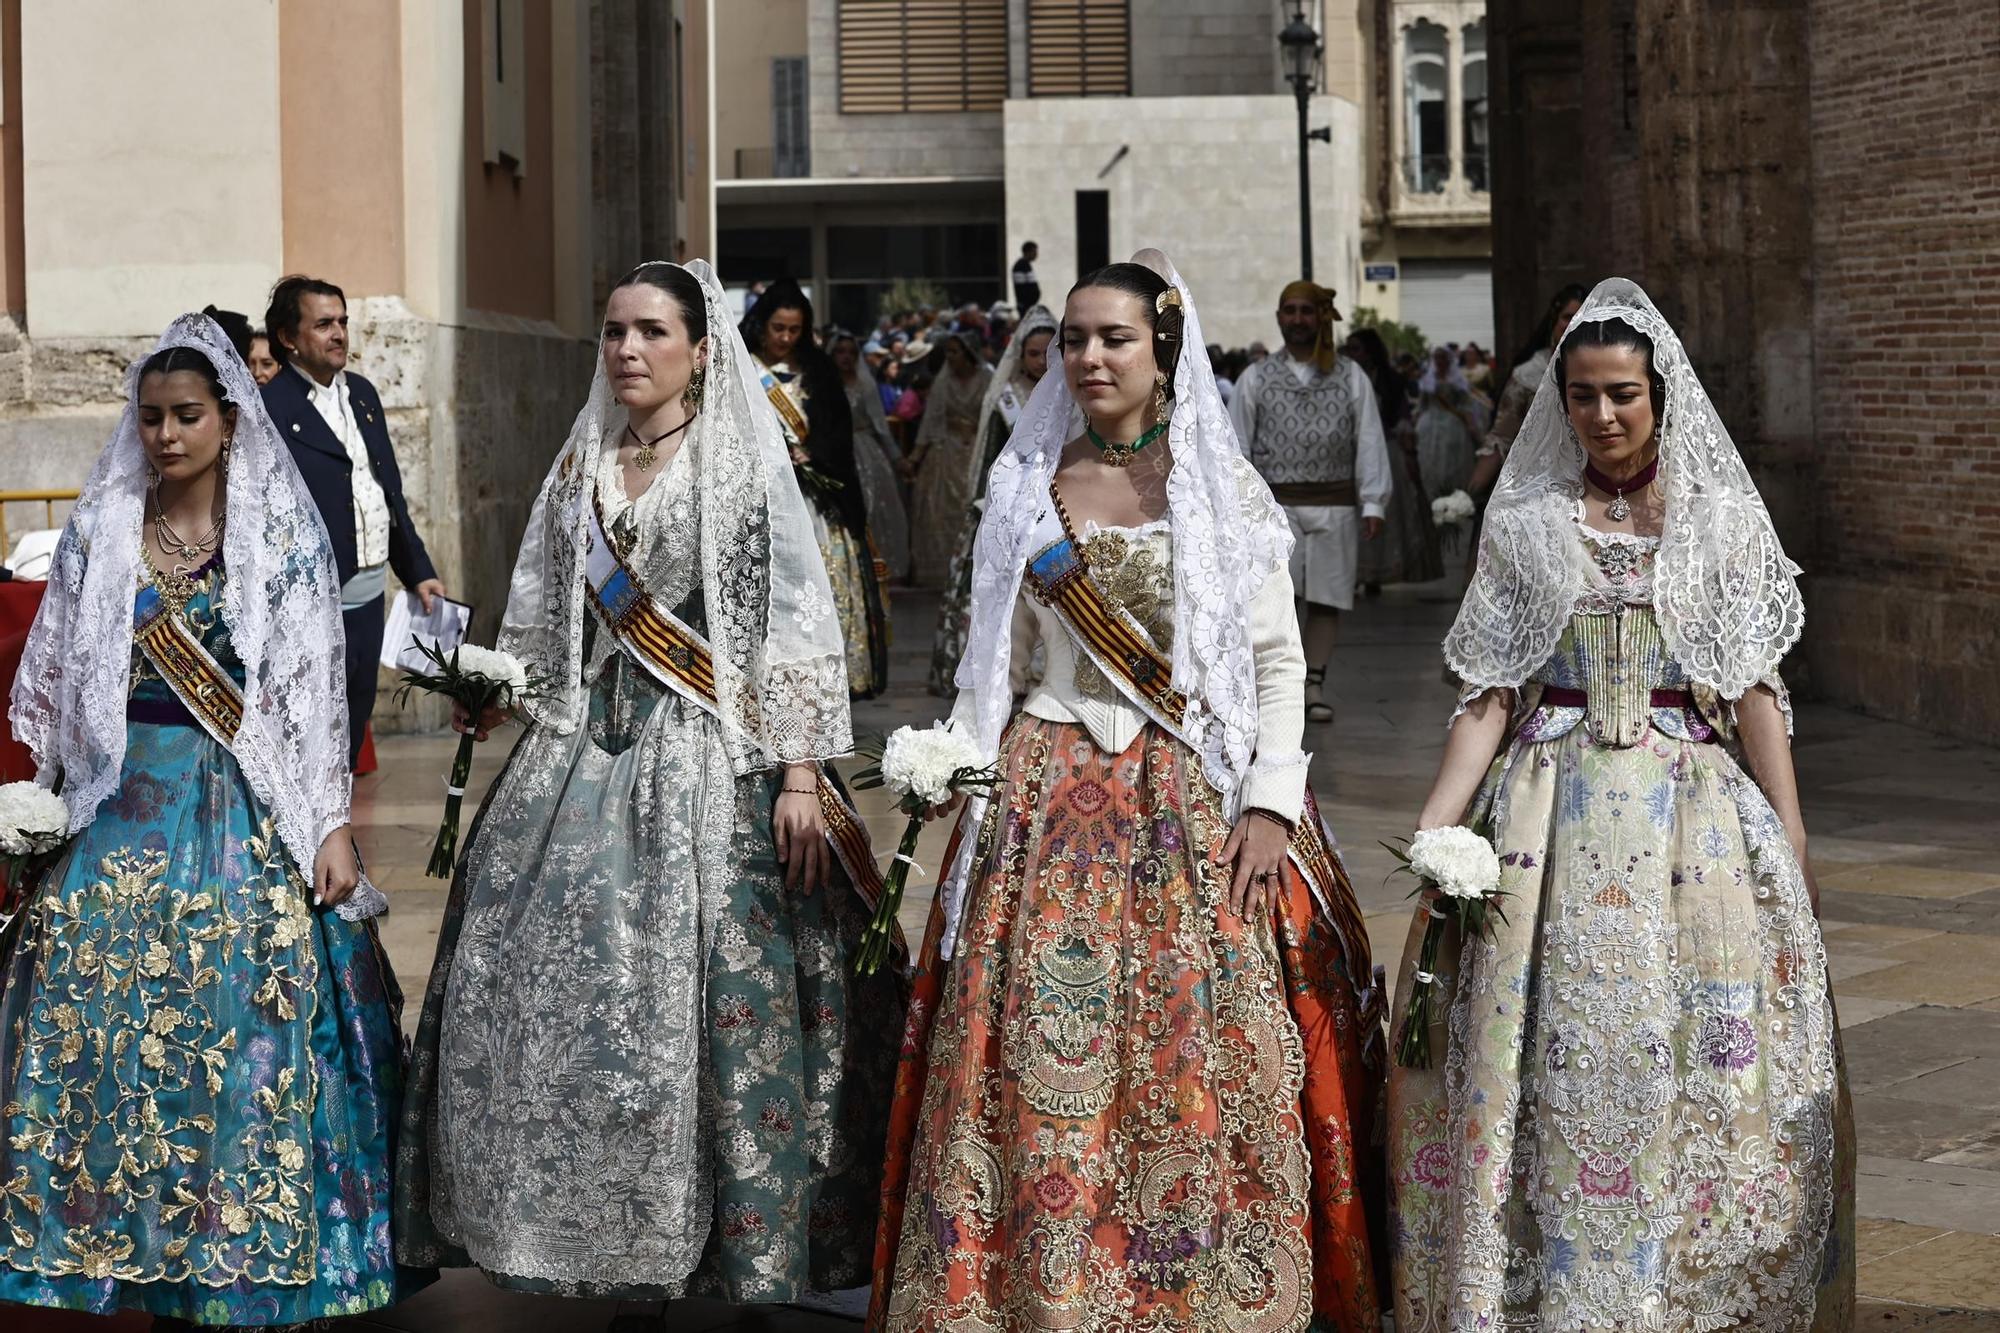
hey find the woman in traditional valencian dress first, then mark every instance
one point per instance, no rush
(643, 1068)
(1143, 1057)
(1020, 370)
(1451, 419)
(1635, 1116)
(812, 406)
(1406, 549)
(875, 456)
(202, 1043)
(943, 457)
(1530, 368)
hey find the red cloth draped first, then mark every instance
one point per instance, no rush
(19, 603)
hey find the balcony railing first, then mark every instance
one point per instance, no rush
(1427, 173)
(757, 164)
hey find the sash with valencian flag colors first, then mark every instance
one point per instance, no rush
(676, 655)
(1059, 578)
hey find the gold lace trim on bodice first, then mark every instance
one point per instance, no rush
(1134, 570)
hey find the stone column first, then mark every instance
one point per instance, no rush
(1454, 108)
(1399, 112)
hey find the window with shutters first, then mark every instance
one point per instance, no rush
(791, 154)
(922, 55)
(1079, 48)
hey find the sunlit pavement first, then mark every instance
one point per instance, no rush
(1905, 829)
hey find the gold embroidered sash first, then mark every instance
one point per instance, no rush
(191, 672)
(676, 655)
(789, 413)
(1059, 578)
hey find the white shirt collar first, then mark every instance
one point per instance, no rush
(315, 388)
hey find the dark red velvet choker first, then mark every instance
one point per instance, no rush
(1620, 508)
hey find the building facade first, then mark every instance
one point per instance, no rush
(1810, 191)
(864, 141)
(1427, 214)
(474, 175)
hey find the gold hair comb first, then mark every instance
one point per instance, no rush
(1170, 297)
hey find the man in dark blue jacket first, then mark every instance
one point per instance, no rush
(339, 436)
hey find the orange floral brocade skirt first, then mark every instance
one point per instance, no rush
(1119, 1106)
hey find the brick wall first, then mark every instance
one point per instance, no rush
(1811, 190)
(1906, 331)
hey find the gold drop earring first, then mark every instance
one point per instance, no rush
(1160, 408)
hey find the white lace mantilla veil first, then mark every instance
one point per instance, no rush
(1228, 537)
(1725, 595)
(281, 606)
(780, 662)
(1038, 319)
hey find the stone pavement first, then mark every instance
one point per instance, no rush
(1907, 850)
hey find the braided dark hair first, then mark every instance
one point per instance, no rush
(681, 286)
(170, 359)
(1613, 333)
(1142, 282)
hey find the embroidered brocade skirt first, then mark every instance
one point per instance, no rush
(199, 1073)
(938, 501)
(643, 1068)
(1406, 549)
(1119, 1108)
(1636, 1116)
(861, 602)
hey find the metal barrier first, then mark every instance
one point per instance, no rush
(48, 500)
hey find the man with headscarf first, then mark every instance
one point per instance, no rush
(1306, 419)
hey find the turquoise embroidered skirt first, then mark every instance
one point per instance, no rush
(199, 1073)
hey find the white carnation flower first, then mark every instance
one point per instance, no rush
(1456, 507)
(1458, 861)
(496, 666)
(33, 819)
(921, 763)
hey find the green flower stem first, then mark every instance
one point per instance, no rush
(444, 852)
(880, 936)
(1413, 1049)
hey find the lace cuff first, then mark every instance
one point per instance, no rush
(1721, 712)
(1277, 783)
(805, 713)
(1469, 694)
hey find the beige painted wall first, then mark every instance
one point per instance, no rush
(699, 143)
(434, 150)
(748, 35)
(341, 129)
(1213, 181)
(154, 181)
(510, 218)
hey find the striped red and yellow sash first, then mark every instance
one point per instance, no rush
(787, 407)
(195, 677)
(677, 656)
(1059, 578)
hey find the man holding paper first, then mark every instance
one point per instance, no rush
(339, 437)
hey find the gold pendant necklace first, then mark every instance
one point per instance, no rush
(648, 452)
(176, 589)
(1121, 455)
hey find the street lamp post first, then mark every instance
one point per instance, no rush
(1301, 48)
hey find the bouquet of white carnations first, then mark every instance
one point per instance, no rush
(926, 768)
(1454, 508)
(476, 679)
(34, 822)
(1462, 867)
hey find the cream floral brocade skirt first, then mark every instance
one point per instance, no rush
(1637, 1116)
